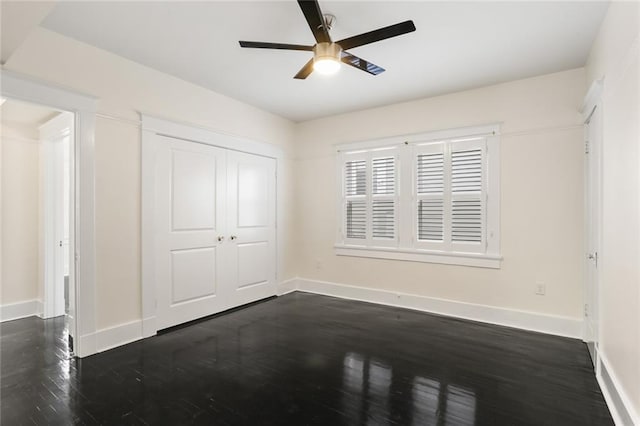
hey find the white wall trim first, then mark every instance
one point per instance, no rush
(448, 258)
(113, 337)
(14, 311)
(287, 286)
(119, 335)
(526, 320)
(436, 135)
(26, 89)
(193, 133)
(616, 398)
(149, 327)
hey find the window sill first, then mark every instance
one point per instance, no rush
(462, 259)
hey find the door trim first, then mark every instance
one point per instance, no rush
(152, 127)
(26, 89)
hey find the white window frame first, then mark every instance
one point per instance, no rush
(405, 246)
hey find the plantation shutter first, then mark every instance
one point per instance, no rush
(430, 195)
(450, 195)
(355, 194)
(425, 197)
(383, 203)
(468, 195)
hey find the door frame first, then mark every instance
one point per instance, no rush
(152, 127)
(26, 89)
(592, 105)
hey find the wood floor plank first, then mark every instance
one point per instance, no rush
(303, 359)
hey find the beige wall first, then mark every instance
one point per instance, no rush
(124, 89)
(615, 55)
(542, 195)
(20, 217)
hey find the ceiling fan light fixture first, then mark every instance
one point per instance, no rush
(326, 58)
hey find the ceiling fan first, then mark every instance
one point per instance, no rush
(328, 54)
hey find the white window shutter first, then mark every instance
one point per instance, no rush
(383, 197)
(468, 195)
(427, 197)
(355, 174)
(430, 195)
(356, 216)
(355, 199)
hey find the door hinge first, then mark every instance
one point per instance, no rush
(586, 146)
(586, 310)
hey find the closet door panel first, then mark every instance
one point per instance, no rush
(190, 216)
(251, 222)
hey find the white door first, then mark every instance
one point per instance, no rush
(190, 214)
(61, 218)
(592, 193)
(251, 224)
(56, 220)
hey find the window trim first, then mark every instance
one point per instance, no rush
(419, 255)
(406, 247)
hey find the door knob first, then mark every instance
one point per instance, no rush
(220, 239)
(233, 238)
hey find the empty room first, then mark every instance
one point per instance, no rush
(320, 212)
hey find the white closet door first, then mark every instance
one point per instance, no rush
(251, 225)
(190, 214)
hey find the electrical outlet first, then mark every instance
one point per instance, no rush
(318, 264)
(541, 289)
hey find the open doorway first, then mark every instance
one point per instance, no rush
(38, 274)
(592, 113)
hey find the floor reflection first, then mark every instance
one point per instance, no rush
(367, 385)
(367, 390)
(426, 398)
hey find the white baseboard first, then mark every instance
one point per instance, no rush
(149, 327)
(109, 338)
(550, 324)
(14, 311)
(112, 337)
(287, 286)
(619, 403)
(85, 345)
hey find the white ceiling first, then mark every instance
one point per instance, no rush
(456, 46)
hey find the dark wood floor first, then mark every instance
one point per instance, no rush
(304, 359)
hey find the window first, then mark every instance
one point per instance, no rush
(432, 198)
(370, 199)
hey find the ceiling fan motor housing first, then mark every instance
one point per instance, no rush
(326, 57)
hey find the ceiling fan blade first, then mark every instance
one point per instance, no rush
(377, 35)
(305, 71)
(361, 64)
(313, 14)
(283, 46)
